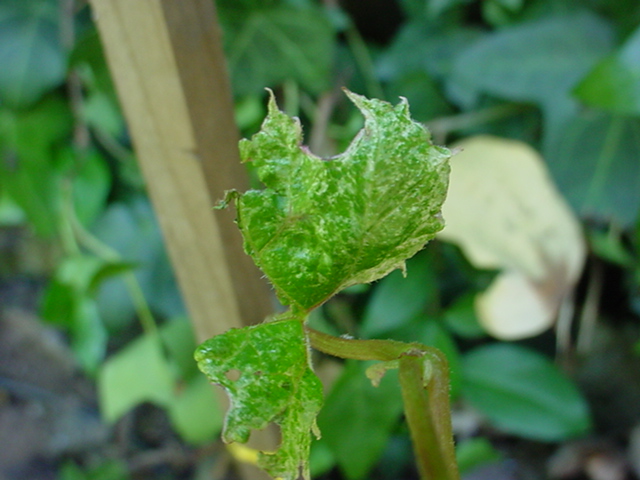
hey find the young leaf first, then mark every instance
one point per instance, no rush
(266, 372)
(323, 225)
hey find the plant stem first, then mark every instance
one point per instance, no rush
(429, 456)
(380, 350)
(443, 126)
(427, 411)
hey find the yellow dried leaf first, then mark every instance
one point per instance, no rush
(513, 308)
(505, 213)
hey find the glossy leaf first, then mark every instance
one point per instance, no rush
(323, 225)
(614, 84)
(523, 393)
(32, 58)
(265, 370)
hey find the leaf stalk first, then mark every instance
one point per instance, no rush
(425, 393)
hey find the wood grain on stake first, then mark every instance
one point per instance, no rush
(167, 63)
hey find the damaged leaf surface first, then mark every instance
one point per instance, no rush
(323, 225)
(265, 370)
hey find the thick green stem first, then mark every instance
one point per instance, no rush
(380, 350)
(431, 432)
(425, 395)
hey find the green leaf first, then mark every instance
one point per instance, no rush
(89, 337)
(83, 272)
(462, 320)
(32, 58)
(109, 470)
(422, 92)
(72, 309)
(91, 181)
(28, 140)
(538, 61)
(614, 84)
(89, 60)
(611, 246)
(321, 459)
(475, 452)
(397, 300)
(130, 228)
(137, 373)
(595, 163)
(323, 225)
(422, 48)
(69, 303)
(265, 370)
(195, 412)
(179, 340)
(523, 393)
(358, 418)
(266, 46)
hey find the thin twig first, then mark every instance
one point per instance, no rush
(443, 126)
(589, 316)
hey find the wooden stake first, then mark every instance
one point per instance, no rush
(167, 63)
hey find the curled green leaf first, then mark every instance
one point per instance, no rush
(266, 372)
(322, 225)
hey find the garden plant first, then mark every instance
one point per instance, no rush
(322, 225)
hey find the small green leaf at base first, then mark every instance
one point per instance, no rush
(265, 370)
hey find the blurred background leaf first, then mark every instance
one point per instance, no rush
(521, 392)
(31, 53)
(614, 82)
